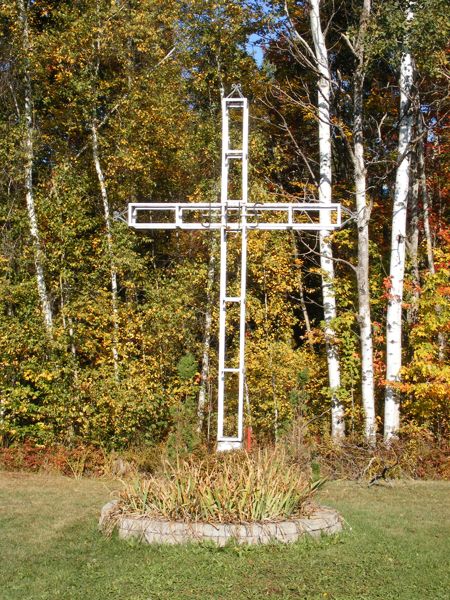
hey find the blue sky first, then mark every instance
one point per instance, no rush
(254, 49)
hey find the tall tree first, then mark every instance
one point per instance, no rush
(109, 242)
(23, 7)
(398, 240)
(363, 210)
(325, 197)
(314, 58)
(104, 193)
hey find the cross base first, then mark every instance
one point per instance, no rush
(226, 446)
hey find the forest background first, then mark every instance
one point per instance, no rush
(108, 336)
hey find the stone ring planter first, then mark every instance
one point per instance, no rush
(158, 531)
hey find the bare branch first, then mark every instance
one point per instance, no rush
(333, 258)
(349, 44)
(297, 36)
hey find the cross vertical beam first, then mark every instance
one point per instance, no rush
(233, 215)
(232, 155)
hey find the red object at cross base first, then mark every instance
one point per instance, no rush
(248, 438)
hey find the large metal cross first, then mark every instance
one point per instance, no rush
(239, 216)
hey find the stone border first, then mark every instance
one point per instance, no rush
(157, 531)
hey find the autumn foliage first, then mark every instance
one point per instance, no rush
(149, 75)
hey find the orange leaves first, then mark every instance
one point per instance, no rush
(443, 290)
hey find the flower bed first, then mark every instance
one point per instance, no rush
(159, 531)
(250, 497)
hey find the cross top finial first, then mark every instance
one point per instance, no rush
(236, 90)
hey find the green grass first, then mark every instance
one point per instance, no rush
(397, 548)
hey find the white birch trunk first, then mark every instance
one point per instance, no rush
(326, 252)
(363, 218)
(203, 400)
(398, 239)
(364, 312)
(109, 241)
(28, 172)
(412, 246)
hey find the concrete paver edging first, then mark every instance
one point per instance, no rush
(150, 530)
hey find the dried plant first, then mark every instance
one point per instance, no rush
(231, 487)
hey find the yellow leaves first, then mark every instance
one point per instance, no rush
(34, 377)
(308, 113)
(279, 377)
(96, 242)
(63, 75)
(344, 130)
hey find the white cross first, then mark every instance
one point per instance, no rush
(239, 216)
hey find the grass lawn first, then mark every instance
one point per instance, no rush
(397, 545)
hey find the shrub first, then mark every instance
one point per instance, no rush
(230, 487)
(416, 453)
(73, 462)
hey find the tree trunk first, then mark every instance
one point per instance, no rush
(66, 320)
(425, 200)
(300, 290)
(413, 240)
(203, 399)
(28, 172)
(109, 240)
(363, 218)
(326, 252)
(398, 238)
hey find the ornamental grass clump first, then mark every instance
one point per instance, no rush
(232, 487)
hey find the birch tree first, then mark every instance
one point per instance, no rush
(109, 241)
(363, 211)
(28, 172)
(325, 197)
(398, 243)
(316, 59)
(106, 205)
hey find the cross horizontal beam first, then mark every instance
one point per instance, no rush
(233, 214)
(301, 216)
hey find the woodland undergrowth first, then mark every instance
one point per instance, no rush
(415, 454)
